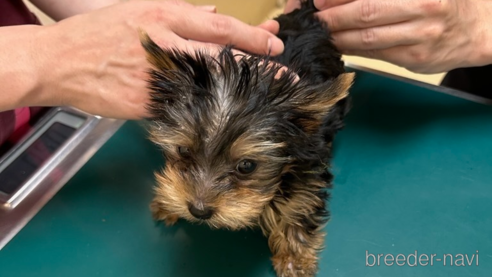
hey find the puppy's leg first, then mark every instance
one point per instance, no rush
(295, 251)
(159, 213)
(295, 236)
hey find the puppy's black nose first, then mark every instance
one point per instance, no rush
(204, 213)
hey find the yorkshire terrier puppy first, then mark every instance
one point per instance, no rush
(246, 145)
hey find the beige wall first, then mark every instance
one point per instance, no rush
(45, 20)
(252, 12)
(256, 11)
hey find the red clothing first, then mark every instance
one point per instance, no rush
(15, 12)
(15, 123)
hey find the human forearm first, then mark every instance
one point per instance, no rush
(95, 61)
(20, 60)
(60, 9)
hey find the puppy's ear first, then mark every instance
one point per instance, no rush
(177, 78)
(191, 67)
(160, 59)
(316, 106)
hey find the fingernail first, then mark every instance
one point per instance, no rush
(319, 4)
(208, 8)
(275, 46)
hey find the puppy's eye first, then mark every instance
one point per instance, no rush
(246, 166)
(184, 151)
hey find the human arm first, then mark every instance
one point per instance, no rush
(60, 9)
(424, 36)
(95, 62)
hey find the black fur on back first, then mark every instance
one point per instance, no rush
(308, 45)
(310, 52)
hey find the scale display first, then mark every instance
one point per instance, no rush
(34, 167)
(19, 171)
(21, 164)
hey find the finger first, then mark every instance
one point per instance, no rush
(285, 70)
(271, 26)
(325, 4)
(292, 5)
(375, 38)
(208, 8)
(222, 29)
(213, 50)
(368, 13)
(387, 55)
(193, 47)
(412, 58)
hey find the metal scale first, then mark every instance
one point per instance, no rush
(38, 166)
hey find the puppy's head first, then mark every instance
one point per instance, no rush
(230, 127)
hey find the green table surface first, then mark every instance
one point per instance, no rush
(413, 173)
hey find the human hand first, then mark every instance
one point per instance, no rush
(95, 61)
(424, 36)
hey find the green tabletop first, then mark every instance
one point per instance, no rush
(413, 173)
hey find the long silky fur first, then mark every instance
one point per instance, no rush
(238, 103)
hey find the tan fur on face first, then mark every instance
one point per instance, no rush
(236, 211)
(167, 139)
(236, 208)
(248, 145)
(171, 193)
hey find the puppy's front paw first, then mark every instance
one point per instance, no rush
(159, 214)
(289, 266)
